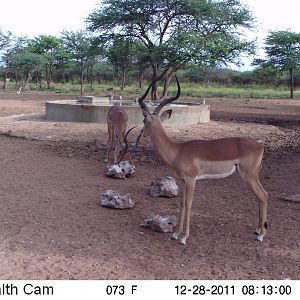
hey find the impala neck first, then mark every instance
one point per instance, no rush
(163, 145)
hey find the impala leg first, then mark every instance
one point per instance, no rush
(110, 145)
(262, 196)
(179, 226)
(190, 188)
(130, 158)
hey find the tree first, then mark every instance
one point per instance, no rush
(27, 64)
(51, 48)
(5, 39)
(5, 43)
(175, 33)
(16, 45)
(121, 55)
(81, 48)
(282, 54)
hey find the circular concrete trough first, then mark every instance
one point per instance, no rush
(96, 111)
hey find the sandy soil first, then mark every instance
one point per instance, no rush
(52, 178)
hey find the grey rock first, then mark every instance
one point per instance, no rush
(291, 198)
(160, 223)
(120, 171)
(164, 187)
(112, 199)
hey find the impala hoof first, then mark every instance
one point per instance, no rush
(259, 238)
(174, 236)
(182, 242)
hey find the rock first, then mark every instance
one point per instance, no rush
(120, 171)
(291, 198)
(160, 223)
(127, 168)
(164, 187)
(112, 199)
(115, 171)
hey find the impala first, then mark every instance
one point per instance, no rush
(117, 138)
(204, 159)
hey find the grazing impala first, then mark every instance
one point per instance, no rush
(117, 138)
(204, 159)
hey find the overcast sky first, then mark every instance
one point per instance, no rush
(34, 17)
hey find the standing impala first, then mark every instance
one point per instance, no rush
(204, 159)
(117, 138)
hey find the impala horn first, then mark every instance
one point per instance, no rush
(142, 98)
(138, 139)
(167, 100)
(125, 138)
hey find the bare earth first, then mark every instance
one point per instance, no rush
(52, 178)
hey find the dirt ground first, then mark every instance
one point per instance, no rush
(52, 178)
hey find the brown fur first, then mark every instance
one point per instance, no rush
(200, 158)
(116, 123)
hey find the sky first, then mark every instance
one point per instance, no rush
(39, 17)
(44, 17)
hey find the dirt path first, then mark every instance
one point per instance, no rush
(52, 226)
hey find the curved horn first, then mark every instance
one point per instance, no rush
(125, 138)
(167, 100)
(138, 139)
(142, 98)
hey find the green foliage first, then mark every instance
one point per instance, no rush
(26, 64)
(175, 33)
(81, 47)
(51, 48)
(283, 50)
(121, 55)
(140, 39)
(5, 39)
(282, 54)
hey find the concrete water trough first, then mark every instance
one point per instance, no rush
(94, 110)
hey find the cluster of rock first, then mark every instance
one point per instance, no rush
(161, 187)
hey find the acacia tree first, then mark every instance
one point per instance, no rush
(176, 32)
(26, 65)
(6, 39)
(51, 48)
(282, 54)
(121, 55)
(16, 46)
(79, 45)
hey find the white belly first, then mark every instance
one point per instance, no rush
(216, 175)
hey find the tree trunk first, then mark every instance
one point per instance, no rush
(140, 78)
(123, 79)
(17, 82)
(39, 76)
(5, 80)
(91, 76)
(81, 77)
(154, 86)
(64, 76)
(291, 83)
(167, 80)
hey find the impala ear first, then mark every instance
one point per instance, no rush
(166, 115)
